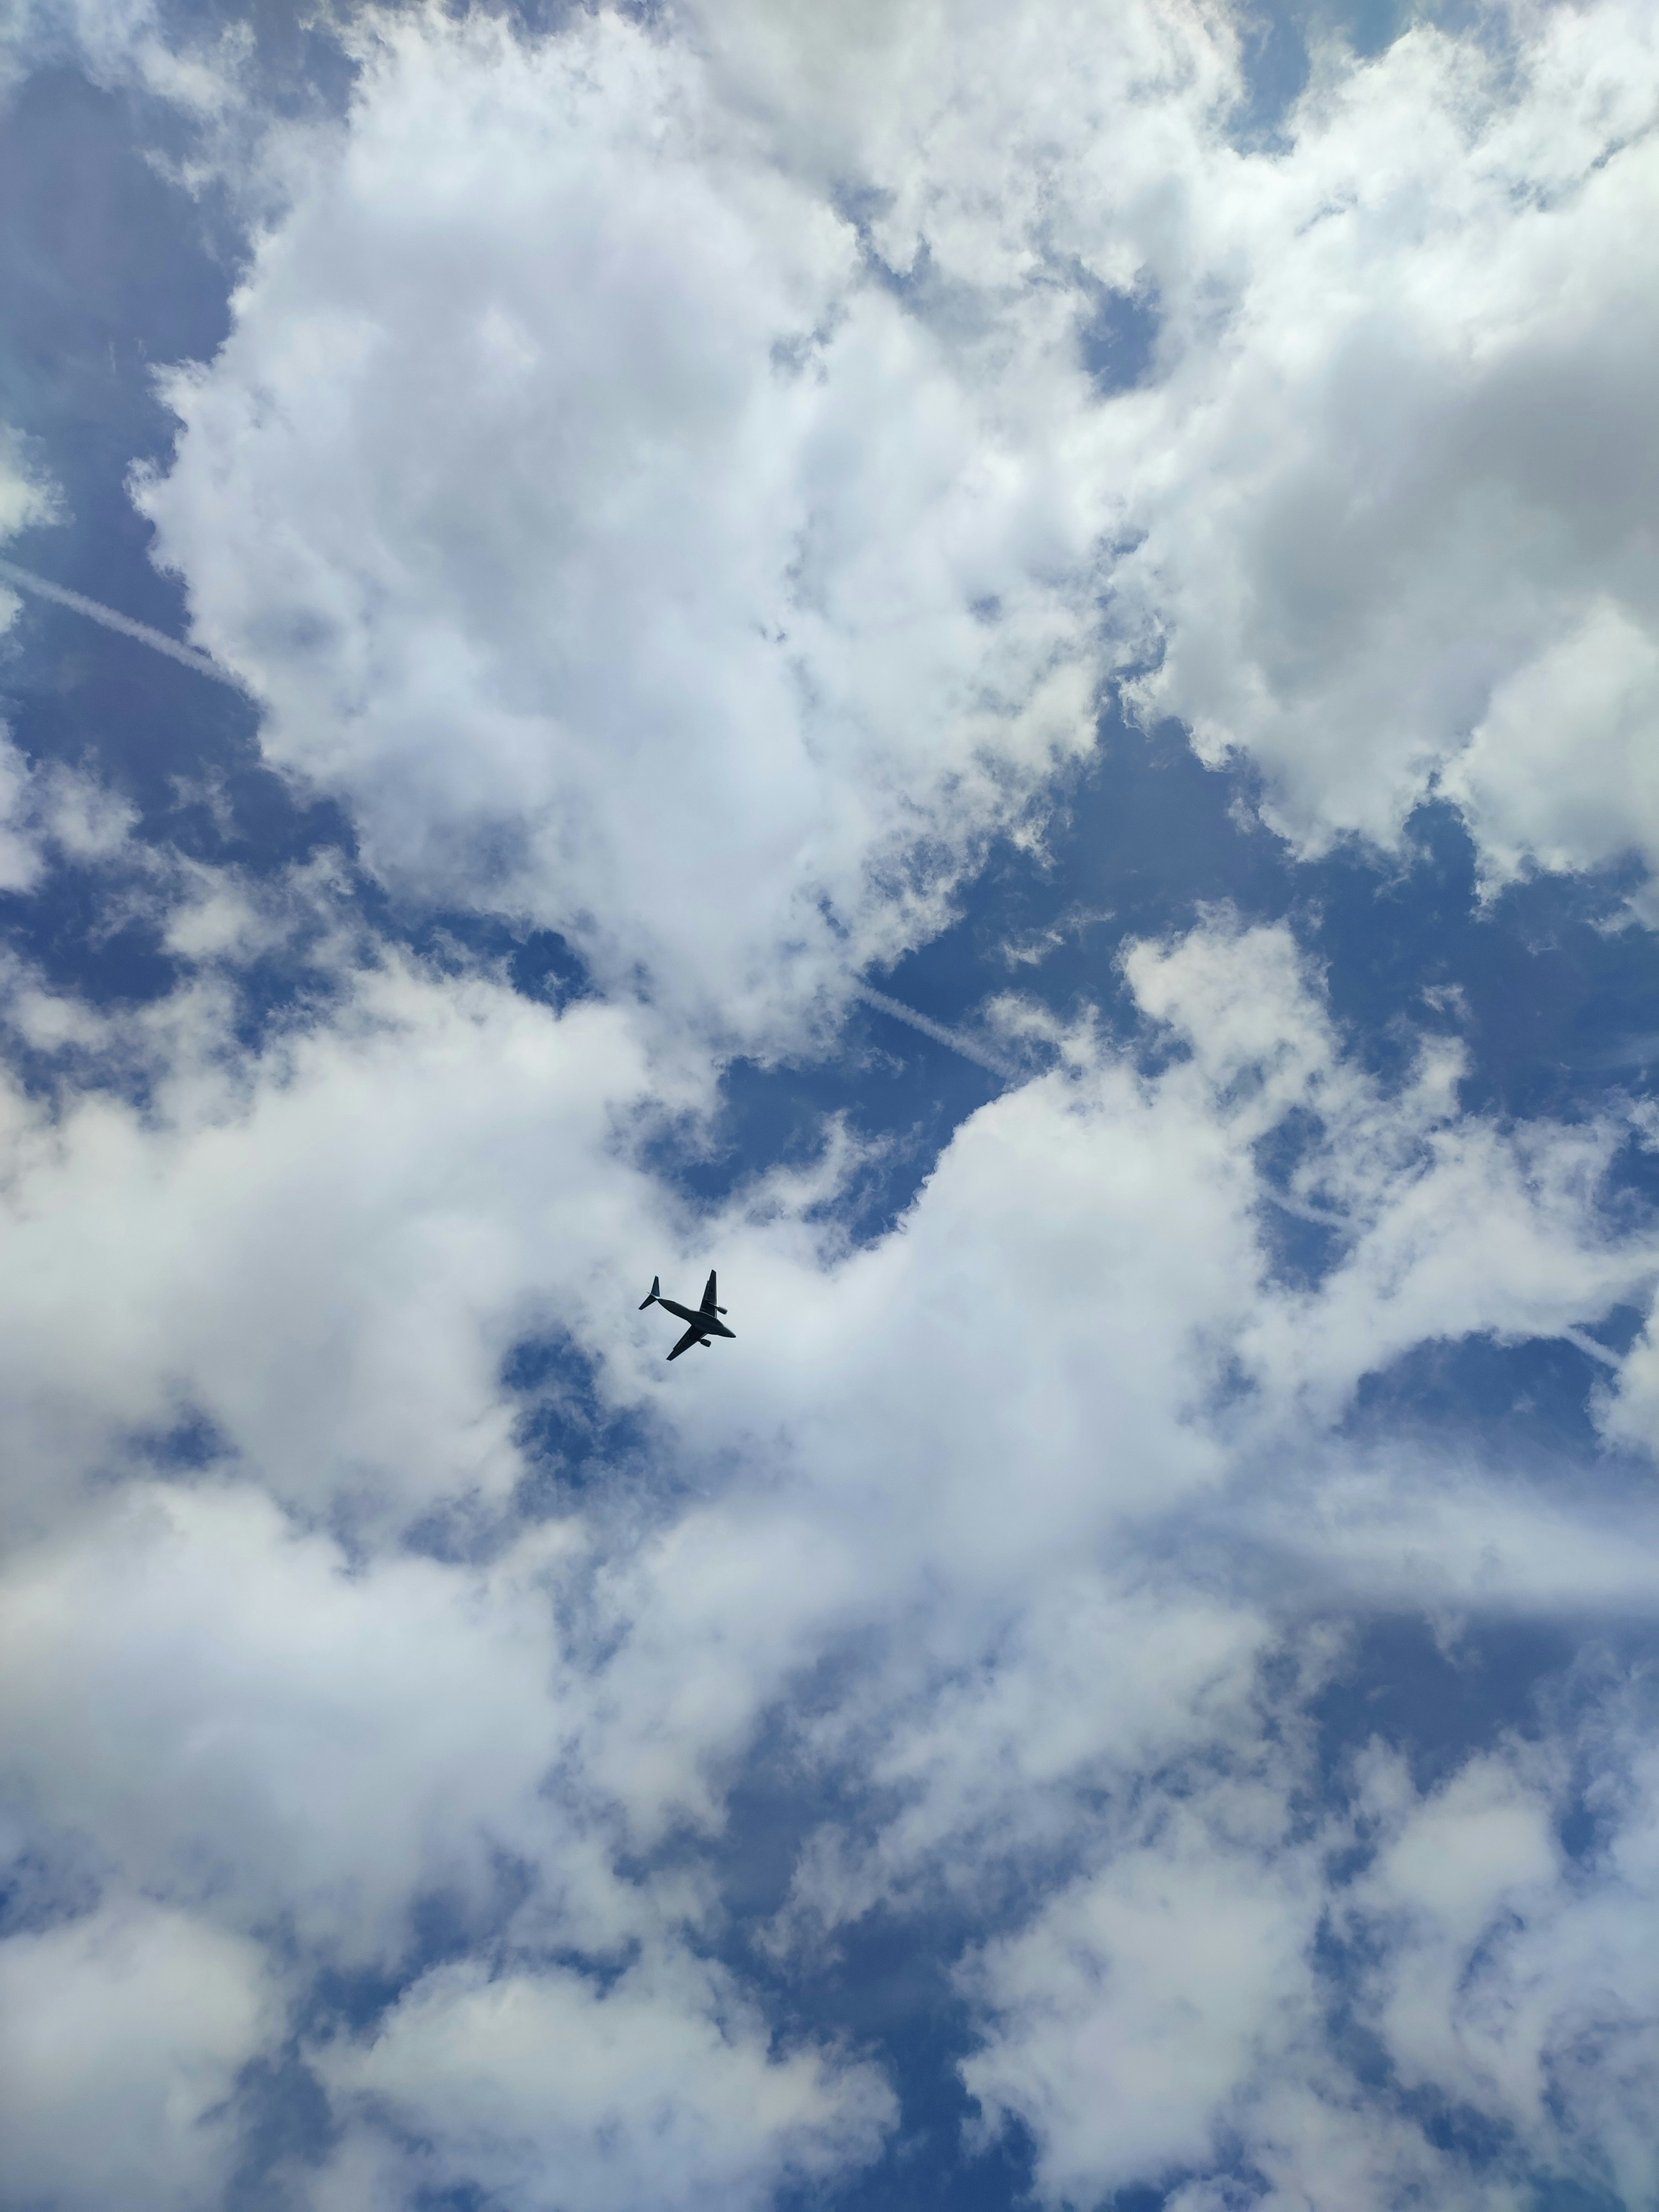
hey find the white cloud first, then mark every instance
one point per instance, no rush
(1503, 1979)
(297, 1741)
(53, 809)
(748, 659)
(231, 1717)
(1560, 771)
(27, 495)
(1163, 2012)
(1315, 2139)
(646, 568)
(551, 2093)
(328, 1253)
(121, 2035)
(129, 43)
(1404, 455)
(1386, 491)
(233, 915)
(1482, 1848)
(1128, 2018)
(1081, 1693)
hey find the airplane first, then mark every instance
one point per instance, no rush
(704, 1325)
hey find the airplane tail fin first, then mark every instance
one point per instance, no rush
(655, 1295)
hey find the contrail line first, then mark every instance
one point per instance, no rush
(157, 639)
(982, 1056)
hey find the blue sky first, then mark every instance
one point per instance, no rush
(1125, 531)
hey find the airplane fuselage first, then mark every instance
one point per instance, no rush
(705, 1323)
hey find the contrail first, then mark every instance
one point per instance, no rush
(981, 1054)
(157, 639)
(1583, 1342)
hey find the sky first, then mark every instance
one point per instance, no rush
(997, 670)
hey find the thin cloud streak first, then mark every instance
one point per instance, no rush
(982, 1056)
(95, 611)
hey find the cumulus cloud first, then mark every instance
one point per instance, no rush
(122, 2035)
(298, 1254)
(728, 681)
(718, 574)
(1559, 771)
(1171, 2006)
(304, 1746)
(1129, 2016)
(1398, 473)
(1377, 508)
(551, 2093)
(27, 494)
(261, 1758)
(53, 811)
(1505, 1979)
(1483, 1845)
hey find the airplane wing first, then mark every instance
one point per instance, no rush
(708, 1293)
(686, 1341)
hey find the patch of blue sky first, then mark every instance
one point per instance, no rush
(1437, 1697)
(107, 275)
(884, 1986)
(571, 1437)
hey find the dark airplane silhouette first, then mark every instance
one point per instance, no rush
(704, 1322)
